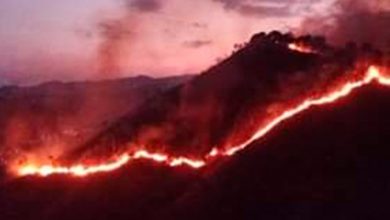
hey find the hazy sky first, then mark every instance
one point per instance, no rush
(45, 39)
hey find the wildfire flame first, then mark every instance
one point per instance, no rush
(84, 170)
(301, 48)
(373, 74)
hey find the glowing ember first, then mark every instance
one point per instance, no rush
(372, 74)
(301, 48)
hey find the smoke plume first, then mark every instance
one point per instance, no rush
(114, 33)
(362, 21)
(118, 33)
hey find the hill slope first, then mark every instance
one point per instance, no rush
(58, 113)
(227, 103)
(330, 162)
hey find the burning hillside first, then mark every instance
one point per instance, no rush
(330, 162)
(219, 113)
(290, 124)
(308, 119)
(48, 119)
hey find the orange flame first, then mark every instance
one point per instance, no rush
(84, 170)
(77, 170)
(372, 74)
(301, 48)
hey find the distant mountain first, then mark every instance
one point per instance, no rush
(57, 113)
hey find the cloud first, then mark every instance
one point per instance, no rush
(259, 8)
(199, 25)
(197, 43)
(268, 11)
(144, 5)
(229, 4)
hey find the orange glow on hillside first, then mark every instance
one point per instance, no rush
(301, 48)
(373, 74)
(84, 170)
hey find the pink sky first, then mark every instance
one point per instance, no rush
(44, 40)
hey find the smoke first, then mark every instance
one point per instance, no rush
(362, 21)
(48, 120)
(117, 34)
(114, 34)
